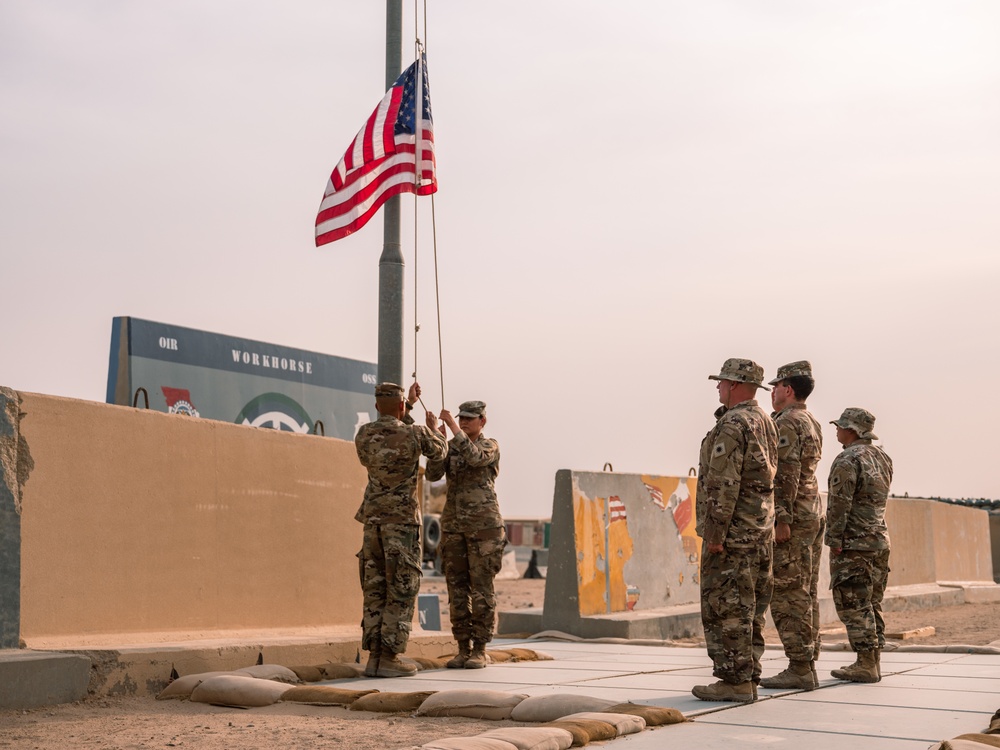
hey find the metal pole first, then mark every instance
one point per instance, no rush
(390, 265)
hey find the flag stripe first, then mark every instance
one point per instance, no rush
(381, 161)
(404, 144)
(362, 185)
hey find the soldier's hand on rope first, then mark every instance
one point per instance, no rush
(450, 421)
(432, 420)
(782, 532)
(414, 394)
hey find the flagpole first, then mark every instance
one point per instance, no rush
(390, 270)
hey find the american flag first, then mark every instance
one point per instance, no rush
(616, 509)
(381, 160)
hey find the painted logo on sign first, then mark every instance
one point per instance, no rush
(277, 412)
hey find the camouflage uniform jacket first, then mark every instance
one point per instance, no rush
(390, 450)
(739, 484)
(701, 495)
(859, 487)
(471, 468)
(800, 445)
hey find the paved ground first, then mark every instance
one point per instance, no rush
(923, 697)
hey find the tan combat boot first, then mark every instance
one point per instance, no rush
(800, 675)
(878, 662)
(866, 670)
(839, 673)
(458, 661)
(371, 668)
(477, 658)
(390, 665)
(724, 691)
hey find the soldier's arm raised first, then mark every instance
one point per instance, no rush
(480, 453)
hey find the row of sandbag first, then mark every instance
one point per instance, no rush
(178, 688)
(569, 730)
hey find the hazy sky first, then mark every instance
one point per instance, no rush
(629, 194)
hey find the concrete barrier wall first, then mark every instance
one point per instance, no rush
(136, 524)
(626, 543)
(937, 542)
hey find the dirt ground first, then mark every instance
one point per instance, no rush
(126, 723)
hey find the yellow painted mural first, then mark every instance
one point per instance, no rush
(680, 502)
(604, 544)
(601, 525)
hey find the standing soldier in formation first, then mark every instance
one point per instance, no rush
(473, 536)
(859, 540)
(738, 532)
(390, 449)
(798, 533)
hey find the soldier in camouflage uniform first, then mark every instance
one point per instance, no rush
(798, 532)
(738, 528)
(859, 540)
(473, 535)
(390, 449)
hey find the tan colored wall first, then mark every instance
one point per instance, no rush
(933, 541)
(136, 522)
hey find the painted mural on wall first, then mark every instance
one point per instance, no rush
(636, 547)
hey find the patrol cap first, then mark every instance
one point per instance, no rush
(792, 370)
(388, 390)
(859, 420)
(741, 371)
(472, 409)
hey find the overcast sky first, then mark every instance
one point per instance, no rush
(629, 194)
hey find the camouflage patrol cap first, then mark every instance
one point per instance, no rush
(741, 371)
(388, 390)
(472, 409)
(791, 370)
(859, 420)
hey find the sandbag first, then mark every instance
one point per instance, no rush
(533, 738)
(237, 690)
(468, 743)
(527, 654)
(963, 744)
(539, 708)
(324, 695)
(654, 716)
(329, 671)
(499, 656)
(585, 731)
(270, 672)
(623, 723)
(424, 662)
(391, 703)
(182, 686)
(491, 705)
(985, 740)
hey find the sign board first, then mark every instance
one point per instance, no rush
(209, 375)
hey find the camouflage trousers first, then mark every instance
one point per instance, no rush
(735, 593)
(390, 581)
(858, 579)
(795, 602)
(471, 562)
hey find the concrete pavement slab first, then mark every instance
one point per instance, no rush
(954, 700)
(923, 697)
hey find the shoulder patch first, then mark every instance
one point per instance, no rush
(783, 441)
(719, 449)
